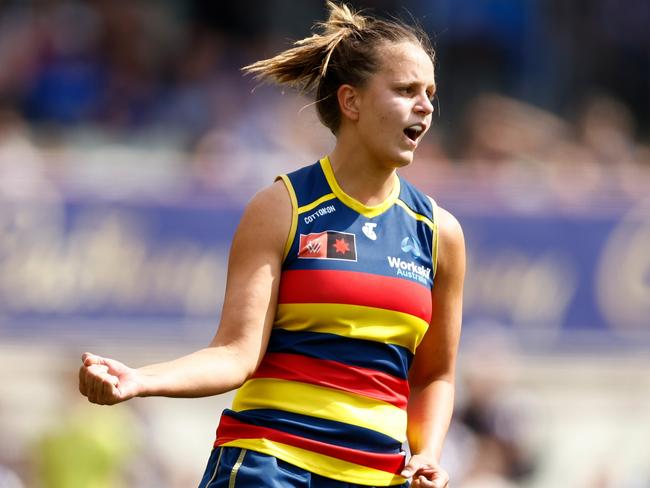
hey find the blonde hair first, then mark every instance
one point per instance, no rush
(344, 51)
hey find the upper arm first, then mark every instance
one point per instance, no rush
(436, 355)
(254, 268)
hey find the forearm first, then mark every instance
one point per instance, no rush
(206, 372)
(429, 413)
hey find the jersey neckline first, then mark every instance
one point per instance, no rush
(365, 210)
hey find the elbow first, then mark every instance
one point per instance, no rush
(231, 366)
(247, 366)
(241, 371)
(247, 372)
(425, 379)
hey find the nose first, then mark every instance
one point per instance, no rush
(424, 105)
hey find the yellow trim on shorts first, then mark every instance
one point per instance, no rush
(216, 467)
(320, 464)
(235, 468)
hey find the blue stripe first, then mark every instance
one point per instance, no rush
(309, 183)
(321, 430)
(387, 358)
(415, 199)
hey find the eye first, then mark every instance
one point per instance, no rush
(405, 90)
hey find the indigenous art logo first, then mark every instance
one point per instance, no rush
(329, 244)
(369, 230)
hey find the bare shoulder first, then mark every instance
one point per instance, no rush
(449, 227)
(271, 200)
(451, 244)
(267, 217)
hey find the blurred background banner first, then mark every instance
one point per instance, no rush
(159, 268)
(130, 143)
(566, 279)
(140, 268)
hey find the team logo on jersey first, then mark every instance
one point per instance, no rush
(328, 244)
(369, 230)
(410, 245)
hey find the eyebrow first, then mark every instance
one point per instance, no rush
(415, 82)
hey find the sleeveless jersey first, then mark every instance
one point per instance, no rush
(331, 392)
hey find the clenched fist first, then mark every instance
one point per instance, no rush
(106, 381)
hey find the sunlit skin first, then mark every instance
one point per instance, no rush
(371, 145)
(371, 142)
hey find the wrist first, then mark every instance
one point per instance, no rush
(430, 454)
(146, 384)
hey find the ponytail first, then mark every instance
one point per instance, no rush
(343, 52)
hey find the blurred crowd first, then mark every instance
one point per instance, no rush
(532, 111)
(542, 105)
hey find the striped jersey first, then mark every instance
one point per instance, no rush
(331, 392)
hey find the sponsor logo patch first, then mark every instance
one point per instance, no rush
(410, 245)
(409, 269)
(328, 244)
(308, 219)
(369, 230)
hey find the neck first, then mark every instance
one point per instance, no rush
(360, 176)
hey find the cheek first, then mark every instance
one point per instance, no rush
(381, 129)
(381, 119)
(384, 121)
(386, 116)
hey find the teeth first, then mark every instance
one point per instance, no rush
(416, 127)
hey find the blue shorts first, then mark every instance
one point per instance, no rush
(232, 467)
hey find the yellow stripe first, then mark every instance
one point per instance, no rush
(320, 464)
(416, 216)
(294, 214)
(366, 210)
(434, 255)
(216, 468)
(355, 321)
(316, 203)
(321, 402)
(235, 469)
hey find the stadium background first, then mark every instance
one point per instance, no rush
(129, 143)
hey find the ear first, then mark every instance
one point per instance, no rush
(348, 97)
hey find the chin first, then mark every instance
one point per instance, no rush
(403, 159)
(396, 158)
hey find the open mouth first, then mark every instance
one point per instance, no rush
(414, 131)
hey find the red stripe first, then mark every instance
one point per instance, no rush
(230, 430)
(354, 379)
(354, 288)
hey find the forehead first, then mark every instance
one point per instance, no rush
(406, 61)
